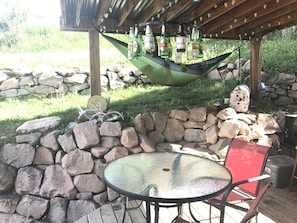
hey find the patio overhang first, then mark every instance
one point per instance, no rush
(222, 19)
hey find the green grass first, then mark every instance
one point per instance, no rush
(129, 101)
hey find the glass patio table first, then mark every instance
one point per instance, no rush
(164, 177)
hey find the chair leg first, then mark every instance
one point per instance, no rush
(209, 213)
(222, 214)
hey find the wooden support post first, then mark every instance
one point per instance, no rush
(255, 53)
(94, 62)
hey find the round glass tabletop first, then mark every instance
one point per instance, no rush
(167, 177)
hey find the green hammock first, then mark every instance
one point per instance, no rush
(164, 72)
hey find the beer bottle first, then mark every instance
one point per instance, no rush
(137, 47)
(130, 44)
(149, 40)
(189, 45)
(195, 47)
(163, 45)
(180, 39)
(200, 45)
(169, 57)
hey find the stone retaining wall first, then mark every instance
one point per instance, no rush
(52, 176)
(45, 81)
(48, 81)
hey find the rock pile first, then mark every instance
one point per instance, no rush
(54, 176)
(46, 81)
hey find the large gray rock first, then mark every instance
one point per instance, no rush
(28, 180)
(43, 156)
(79, 208)
(110, 141)
(198, 114)
(111, 129)
(146, 144)
(269, 123)
(31, 206)
(16, 218)
(227, 113)
(18, 155)
(89, 183)
(11, 83)
(50, 79)
(179, 114)
(148, 122)
(115, 153)
(50, 140)
(78, 162)
(86, 135)
(57, 210)
(41, 124)
(67, 141)
(160, 120)
(8, 203)
(129, 137)
(194, 135)
(57, 182)
(31, 138)
(174, 130)
(229, 129)
(7, 177)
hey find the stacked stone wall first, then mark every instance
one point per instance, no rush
(49, 175)
(43, 81)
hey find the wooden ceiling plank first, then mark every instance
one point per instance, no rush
(265, 16)
(126, 10)
(227, 17)
(102, 9)
(271, 10)
(281, 22)
(150, 11)
(202, 8)
(78, 10)
(177, 9)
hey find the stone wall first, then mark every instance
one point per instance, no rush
(282, 90)
(43, 81)
(56, 176)
(48, 81)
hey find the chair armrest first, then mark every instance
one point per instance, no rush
(261, 177)
(235, 184)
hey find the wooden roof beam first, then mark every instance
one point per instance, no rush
(150, 11)
(102, 9)
(78, 10)
(209, 10)
(226, 18)
(177, 9)
(281, 22)
(262, 15)
(129, 6)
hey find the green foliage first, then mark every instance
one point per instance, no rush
(14, 16)
(280, 56)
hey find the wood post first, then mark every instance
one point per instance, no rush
(95, 84)
(256, 67)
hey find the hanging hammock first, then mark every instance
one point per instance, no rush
(164, 72)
